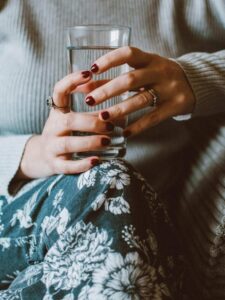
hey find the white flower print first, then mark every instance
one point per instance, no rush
(5, 243)
(120, 164)
(50, 187)
(86, 179)
(117, 205)
(116, 178)
(58, 222)
(69, 297)
(63, 219)
(98, 201)
(27, 277)
(123, 278)
(80, 249)
(23, 215)
(58, 197)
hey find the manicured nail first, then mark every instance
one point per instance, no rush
(94, 68)
(94, 161)
(126, 133)
(109, 126)
(86, 74)
(90, 100)
(105, 115)
(105, 142)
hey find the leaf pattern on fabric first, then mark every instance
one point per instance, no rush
(5, 243)
(117, 205)
(116, 178)
(58, 222)
(23, 215)
(87, 179)
(80, 250)
(58, 198)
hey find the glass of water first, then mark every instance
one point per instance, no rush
(85, 44)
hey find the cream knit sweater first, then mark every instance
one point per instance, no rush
(33, 58)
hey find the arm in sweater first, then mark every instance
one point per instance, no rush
(206, 75)
(11, 151)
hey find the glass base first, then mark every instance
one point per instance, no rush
(106, 154)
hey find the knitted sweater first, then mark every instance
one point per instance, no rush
(33, 57)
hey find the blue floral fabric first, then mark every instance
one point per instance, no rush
(102, 234)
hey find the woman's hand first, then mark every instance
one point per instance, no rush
(51, 152)
(151, 71)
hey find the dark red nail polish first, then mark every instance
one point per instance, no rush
(105, 142)
(90, 100)
(86, 74)
(126, 133)
(94, 68)
(105, 115)
(109, 126)
(94, 161)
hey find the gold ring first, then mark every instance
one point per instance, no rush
(155, 97)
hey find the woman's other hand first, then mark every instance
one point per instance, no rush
(51, 152)
(150, 71)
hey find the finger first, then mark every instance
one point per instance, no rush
(71, 144)
(132, 56)
(90, 86)
(132, 104)
(121, 84)
(161, 113)
(62, 166)
(79, 122)
(66, 85)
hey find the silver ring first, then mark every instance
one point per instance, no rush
(155, 97)
(50, 103)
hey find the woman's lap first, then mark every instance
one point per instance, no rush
(101, 234)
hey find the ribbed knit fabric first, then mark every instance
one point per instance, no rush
(33, 58)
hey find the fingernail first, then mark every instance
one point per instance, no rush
(109, 126)
(94, 161)
(105, 115)
(94, 68)
(105, 142)
(86, 74)
(90, 100)
(126, 133)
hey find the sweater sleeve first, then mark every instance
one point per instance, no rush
(11, 151)
(206, 75)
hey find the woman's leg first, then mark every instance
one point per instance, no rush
(102, 234)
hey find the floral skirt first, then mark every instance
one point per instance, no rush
(102, 234)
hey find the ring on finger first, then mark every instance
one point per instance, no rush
(50, 103)
(155, 97)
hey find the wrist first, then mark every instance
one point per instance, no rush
(29, 157)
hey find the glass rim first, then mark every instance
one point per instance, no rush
(99, 27)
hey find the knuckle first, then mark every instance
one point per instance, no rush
(129, 51)
(67, 121)
(154, 118)
(118, 111)
(104, 94)
(57, 88)
(65, 145)
(144, 98)
(56, 166)
(130, 79)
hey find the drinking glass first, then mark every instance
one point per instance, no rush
(86, 43)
